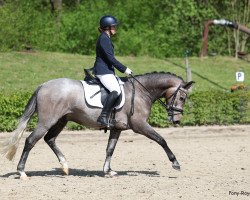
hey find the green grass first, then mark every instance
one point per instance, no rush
(25, 71)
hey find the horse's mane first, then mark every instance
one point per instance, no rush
(154, 73)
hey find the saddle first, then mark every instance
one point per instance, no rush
(96, 93)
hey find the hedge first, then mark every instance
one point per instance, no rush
(209, 108)
(202, 108)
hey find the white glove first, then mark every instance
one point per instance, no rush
(128, 71)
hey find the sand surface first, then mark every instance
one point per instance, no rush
(215, 164)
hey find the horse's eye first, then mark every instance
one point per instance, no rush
(182, 99)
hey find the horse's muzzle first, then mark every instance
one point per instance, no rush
(176, 123)
(175, 118)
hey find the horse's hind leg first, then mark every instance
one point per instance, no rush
(113, 138)
(50, 138)
(30, 142)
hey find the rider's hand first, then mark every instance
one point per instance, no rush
(128, 71)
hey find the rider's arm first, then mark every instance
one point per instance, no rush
(107, 48)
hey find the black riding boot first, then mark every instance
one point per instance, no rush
(103, 119)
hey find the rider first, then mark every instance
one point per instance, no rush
(104, 66)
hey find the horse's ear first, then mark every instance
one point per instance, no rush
(188, 85)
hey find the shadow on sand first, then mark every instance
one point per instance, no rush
(57, 172)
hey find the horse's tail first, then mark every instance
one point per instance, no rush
(9, 147)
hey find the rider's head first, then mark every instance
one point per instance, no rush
(108, 24)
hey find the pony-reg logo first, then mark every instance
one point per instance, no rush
(239, 193)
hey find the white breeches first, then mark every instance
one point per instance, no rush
(110, 82)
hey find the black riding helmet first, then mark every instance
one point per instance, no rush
(108, 21)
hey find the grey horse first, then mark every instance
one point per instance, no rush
(61, 100)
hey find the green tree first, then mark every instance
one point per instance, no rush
(160, 28)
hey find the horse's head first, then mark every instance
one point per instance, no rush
(176, 97)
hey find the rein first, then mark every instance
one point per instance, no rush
(170, 108)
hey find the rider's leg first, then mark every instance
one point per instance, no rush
(103, 119)
(110, 82)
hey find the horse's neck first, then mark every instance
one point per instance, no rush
(156, 87)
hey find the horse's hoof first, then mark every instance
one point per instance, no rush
(111, 174)
(24, 178)
(65, 168)
(176, 165)
(66, 171)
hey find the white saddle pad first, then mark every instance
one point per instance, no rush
(93, 96)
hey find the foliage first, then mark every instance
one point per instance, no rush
(27, 24)
(209, 108)
(202, 108)
(159, 28)
(11, 109)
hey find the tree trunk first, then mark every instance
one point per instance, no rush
(245, 21)
(243, 42)
(241, 17)
(228, 42)
(56, 5)
(1, 2)
(236, 39)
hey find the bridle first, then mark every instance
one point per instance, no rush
(170, 108)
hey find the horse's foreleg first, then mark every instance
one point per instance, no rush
(113, 138)
(30, 142)
(149, 132)
(50, 138)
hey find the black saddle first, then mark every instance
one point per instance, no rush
(91, 79)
